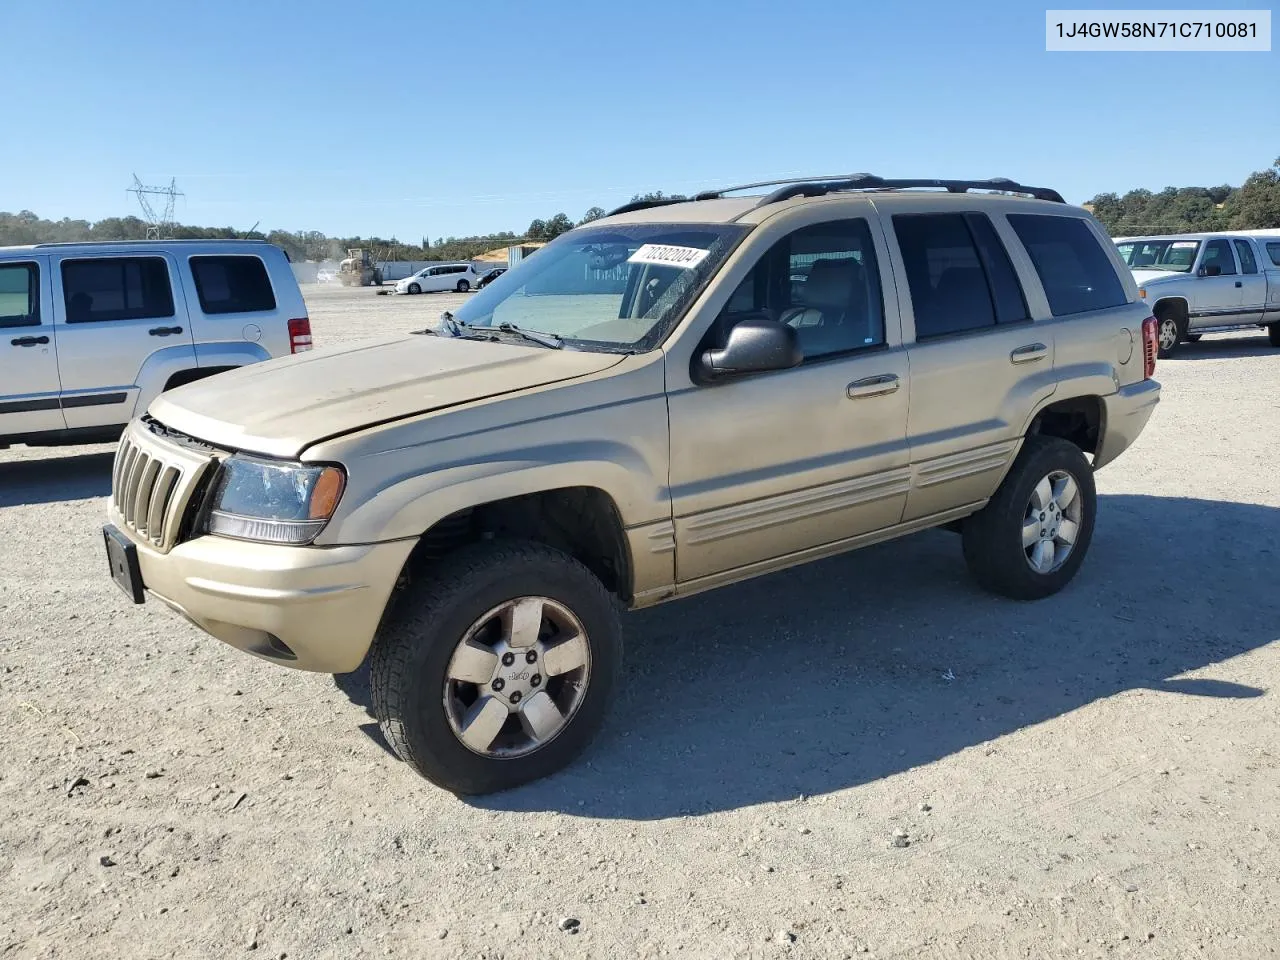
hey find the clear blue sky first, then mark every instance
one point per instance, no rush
(458, 118)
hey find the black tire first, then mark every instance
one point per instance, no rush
(464, 286)
(413, 288)
(418, 635)
(1177, 333)
(1193, 338)
(993, 546)
(1273, 334)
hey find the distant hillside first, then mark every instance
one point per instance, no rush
(1254, 204)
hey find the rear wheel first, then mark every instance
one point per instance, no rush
(1030, 539)
(497, 668)
(463, 286)
(1273, 334)
(414, 288)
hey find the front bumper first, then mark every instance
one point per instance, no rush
(1126, 413)
(311, 608)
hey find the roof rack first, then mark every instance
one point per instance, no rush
(106, 243)
(867, 181)
(645, 205)
(817, 186)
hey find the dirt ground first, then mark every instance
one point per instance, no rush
(1093, 775)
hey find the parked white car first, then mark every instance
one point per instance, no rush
(1201, 283)
(440, 276)
(91, 333)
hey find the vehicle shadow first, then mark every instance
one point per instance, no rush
(859, 667)
(80, 477)
(1214, 347)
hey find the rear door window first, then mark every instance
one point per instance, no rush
(19, 295)
(116, 288)
(237, 284)
(958, 273)
(1247, 262)
(1077, 274)
(1273, 251)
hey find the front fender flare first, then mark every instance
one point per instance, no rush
(410, 505)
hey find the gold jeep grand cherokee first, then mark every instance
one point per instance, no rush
(675, 397)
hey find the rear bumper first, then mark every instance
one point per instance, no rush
(311, 608)
(1126, 413)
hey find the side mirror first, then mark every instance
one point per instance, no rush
(755, 345)
(1212, 270)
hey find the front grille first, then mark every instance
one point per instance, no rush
(152, 485)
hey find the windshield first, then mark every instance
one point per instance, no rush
(606, 288)
(1169, 254)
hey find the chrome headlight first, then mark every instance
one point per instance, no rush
(272, 501)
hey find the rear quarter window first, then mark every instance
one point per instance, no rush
(232, 284)
(1076, 273)
(1273, 251)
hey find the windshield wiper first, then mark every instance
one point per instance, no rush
(533, 336)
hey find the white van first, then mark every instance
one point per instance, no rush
(440, 276)
(91, 333)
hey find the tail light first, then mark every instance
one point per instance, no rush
(1150, 347)
(300, 335)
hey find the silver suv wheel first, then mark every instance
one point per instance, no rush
(517, 677)
(1168, 333)
(1052, 521)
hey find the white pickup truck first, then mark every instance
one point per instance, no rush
(1200, 283)
(91, 333)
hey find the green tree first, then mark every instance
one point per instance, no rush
(1256, 205)
(557, 225)
(657, 195)
(595, 213)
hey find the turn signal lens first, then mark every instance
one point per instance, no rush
(326, 493)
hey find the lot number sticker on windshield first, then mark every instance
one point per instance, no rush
(1184, 244)
(669, 256)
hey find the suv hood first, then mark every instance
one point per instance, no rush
(1146, 276)
(280, 407)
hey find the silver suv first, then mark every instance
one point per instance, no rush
(91, 333)
(673, 398)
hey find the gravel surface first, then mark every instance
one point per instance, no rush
(866, 756)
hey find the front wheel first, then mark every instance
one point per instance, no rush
(1031, 537)
(463, 286)
(414, 288)
(496, 668)
(1169, 333)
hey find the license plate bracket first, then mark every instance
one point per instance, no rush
(122, 558)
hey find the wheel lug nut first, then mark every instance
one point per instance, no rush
(535, 680)
(515, 697)
(498, 684)
(531, 656)
(508, 659)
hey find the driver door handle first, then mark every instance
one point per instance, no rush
(28, 341)
(872, 386)
(1029, 353)
(163, 331)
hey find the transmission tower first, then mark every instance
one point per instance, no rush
(159, 225)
